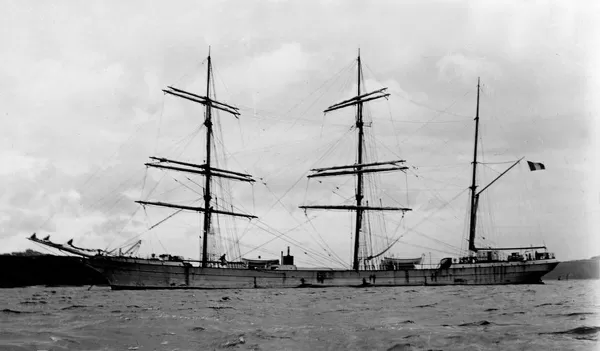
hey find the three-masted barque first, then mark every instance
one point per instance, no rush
(481, 266)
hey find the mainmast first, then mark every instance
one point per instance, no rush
(360, 167)
(359, 175)
(473, 187)
(205, 169)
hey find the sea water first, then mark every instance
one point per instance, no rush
(560, 315)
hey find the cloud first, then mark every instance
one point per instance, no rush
(467, 69)
(16, 163)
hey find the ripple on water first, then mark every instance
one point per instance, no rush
(72, 307)
(582, 332)
(10, 311)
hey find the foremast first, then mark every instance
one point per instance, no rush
(360, 168)
(205, 169)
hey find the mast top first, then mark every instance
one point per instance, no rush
(209, 172)
(360, 167)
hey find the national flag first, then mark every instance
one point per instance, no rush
(535, 166)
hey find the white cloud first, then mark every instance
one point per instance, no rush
(467, 69)
(19, 165)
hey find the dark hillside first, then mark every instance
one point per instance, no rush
(579, 269)
(33, 268)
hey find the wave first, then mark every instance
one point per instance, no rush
(516, 312)
(43, 302)
(550, 304)
(401, 347)
(572, 314)
(429, 305)
(72, 307)
(475, 324)
(584, 330)
(9, 311)
(579, 314)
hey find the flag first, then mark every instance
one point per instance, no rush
(535, 166)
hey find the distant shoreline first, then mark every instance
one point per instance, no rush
(31, 268)
(577, 269)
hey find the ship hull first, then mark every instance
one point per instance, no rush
(131, 273)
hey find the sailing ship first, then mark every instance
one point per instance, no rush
(481, 266)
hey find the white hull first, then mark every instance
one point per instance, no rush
(135, 273)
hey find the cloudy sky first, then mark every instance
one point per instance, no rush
(82, 109)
